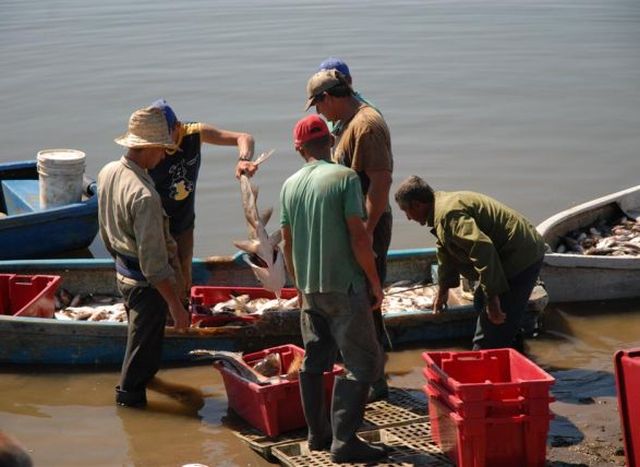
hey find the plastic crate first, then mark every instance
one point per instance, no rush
(627, 364)
(33, 296)
(274, 408)
(490, 408)
(498, 374)
(204, 297)
(509, 441)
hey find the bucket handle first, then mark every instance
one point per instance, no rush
(89, 187)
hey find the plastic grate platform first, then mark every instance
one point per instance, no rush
(401, 407)
(409, 445)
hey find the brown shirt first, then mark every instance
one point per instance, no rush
(132, 221)
(365, 145)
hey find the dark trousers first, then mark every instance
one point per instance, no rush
(147, 314)
(513, 304)
(381, 242)
(340, 321)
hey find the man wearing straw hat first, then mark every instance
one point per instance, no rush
(134, 229)
(176, 176)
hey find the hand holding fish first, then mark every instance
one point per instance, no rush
(249, 167)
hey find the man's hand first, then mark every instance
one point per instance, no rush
(246, 167)
(181, 317)
(376, 296)
(442, 297)
(494, 310)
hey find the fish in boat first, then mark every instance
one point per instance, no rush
(264, 255)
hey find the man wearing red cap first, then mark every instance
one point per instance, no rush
(329, 256)
(364, 145)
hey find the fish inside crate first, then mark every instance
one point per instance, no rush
(272, 406)
(217, 306)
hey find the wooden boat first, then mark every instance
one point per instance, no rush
(26, 231)
(576, 277)
(50, 341)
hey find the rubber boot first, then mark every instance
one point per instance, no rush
(315, 411)
(379, 390)
(136, 399)
(347, 411)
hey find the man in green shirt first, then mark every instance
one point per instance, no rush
(483, 240)
(330, 258)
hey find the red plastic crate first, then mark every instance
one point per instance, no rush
(208, 296)
(518, 440)
(33, 296)
(627, 363)
(275, 408)
(489, 408)
(498, 374)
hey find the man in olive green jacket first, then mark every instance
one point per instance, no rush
(484, 240)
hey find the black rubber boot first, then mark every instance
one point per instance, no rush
(136, 399)
(379, 390)
(347, 411)
(315, 411)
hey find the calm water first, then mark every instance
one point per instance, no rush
(534, 102)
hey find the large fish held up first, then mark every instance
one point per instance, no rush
(264, 255)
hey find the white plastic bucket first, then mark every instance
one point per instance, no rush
(60, 172)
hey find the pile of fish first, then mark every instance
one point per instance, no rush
(408, 297)
(617, 239)
(111, 309)
(245, 305)
(89, 307)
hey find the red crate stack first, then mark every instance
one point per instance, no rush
(627, 370)
(488, 407)
(275, 408)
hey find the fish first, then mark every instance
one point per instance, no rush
(234, 362)
(618, 238)
(264, 255)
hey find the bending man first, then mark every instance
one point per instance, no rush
(483, 240)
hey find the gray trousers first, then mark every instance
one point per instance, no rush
(514, 305)
(332, 322)
(147, 315)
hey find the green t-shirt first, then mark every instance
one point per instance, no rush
(315, 203)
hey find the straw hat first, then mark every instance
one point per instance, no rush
(147, 129)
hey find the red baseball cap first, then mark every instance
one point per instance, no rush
(309, 128)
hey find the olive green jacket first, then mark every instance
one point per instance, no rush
(482, 239)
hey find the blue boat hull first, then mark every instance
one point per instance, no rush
(50, 341)
(35, 233)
